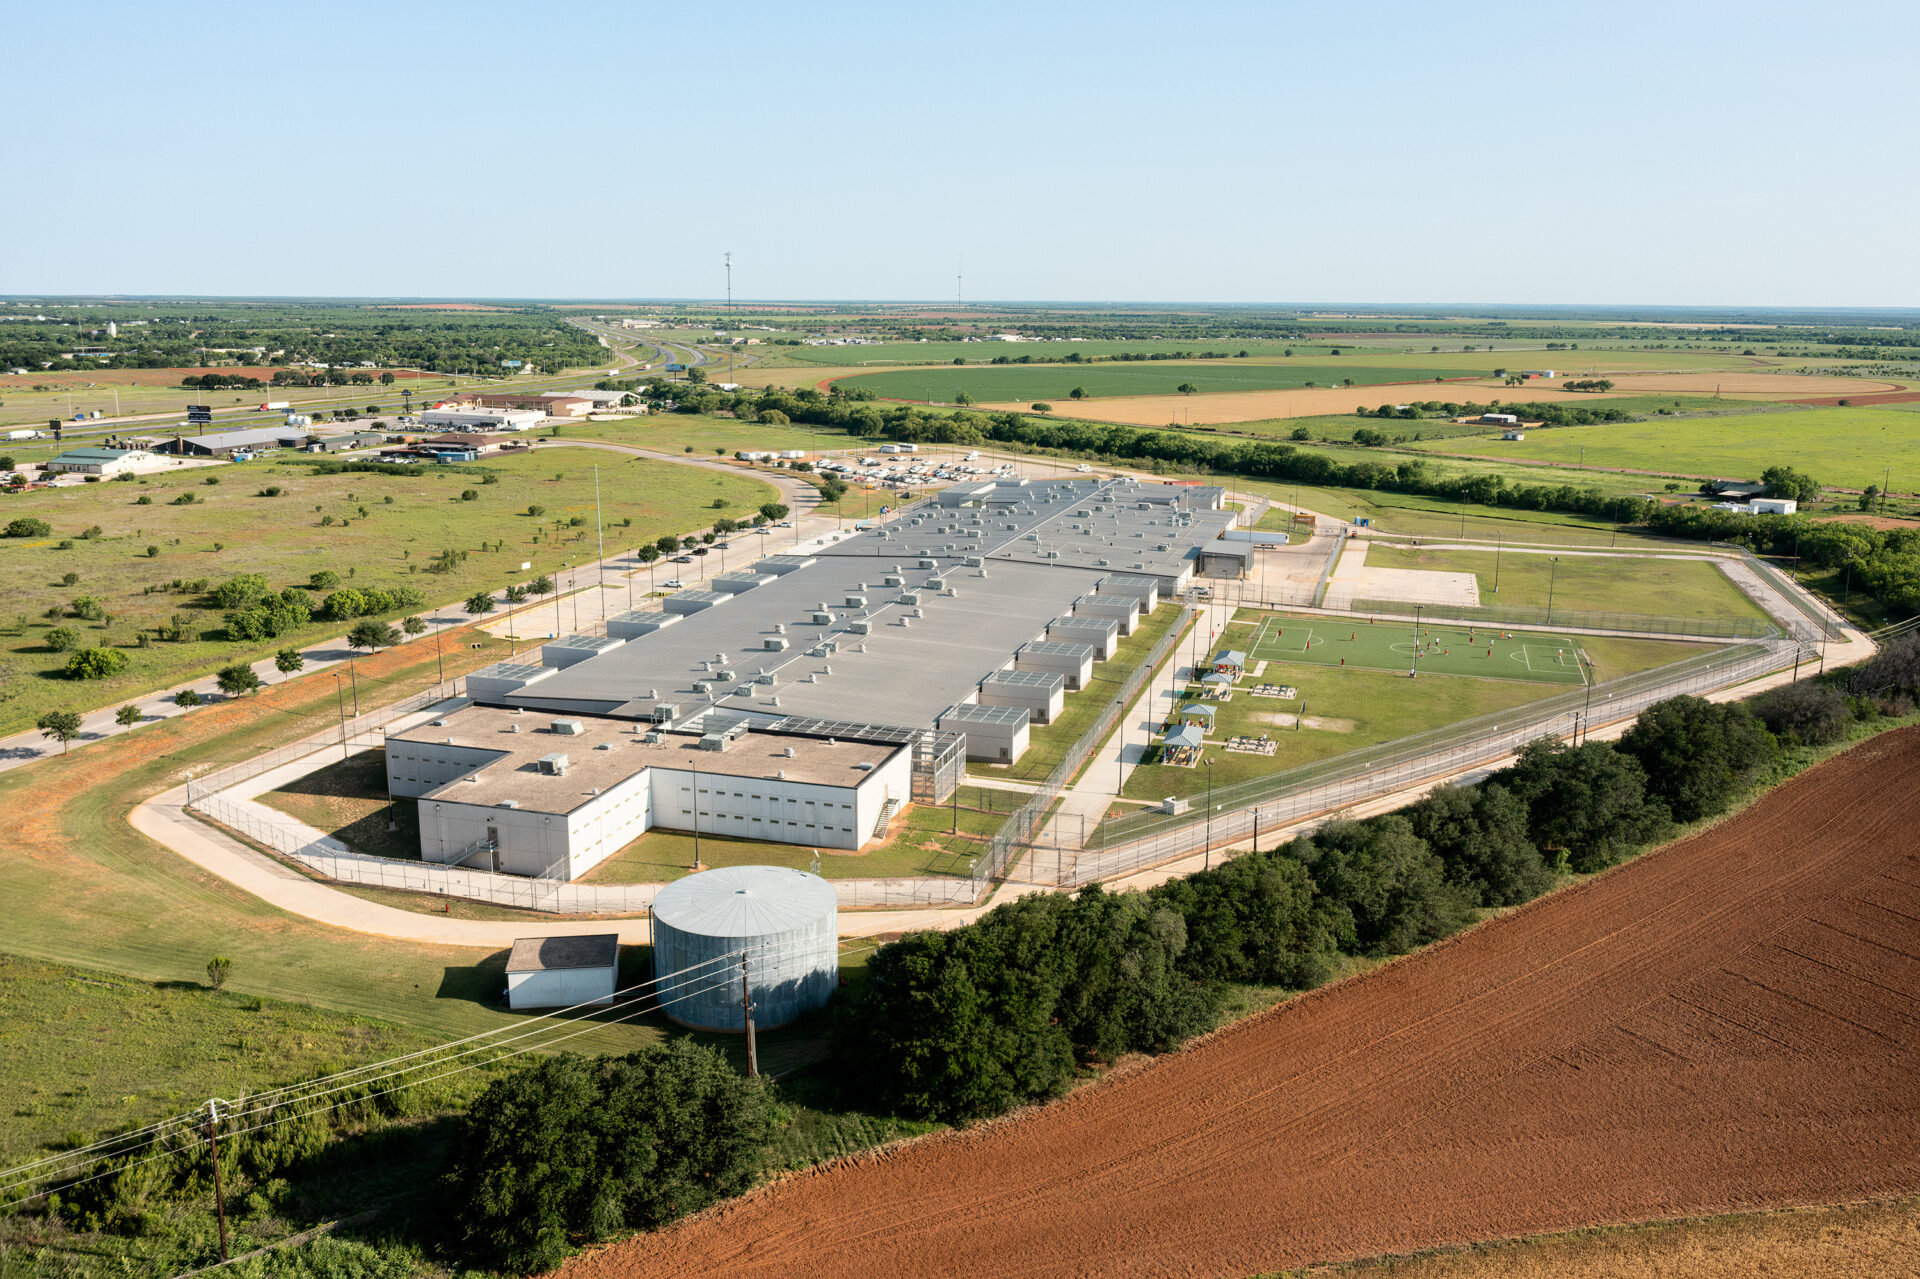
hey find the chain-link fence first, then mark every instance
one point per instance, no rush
(348, 736)
(337, 862)
(1825, 622)
(1017, 833)
(1536, 617)
(1231, 813)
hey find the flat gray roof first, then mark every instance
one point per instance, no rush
(543, 954)
(974, 713)
(899, 668)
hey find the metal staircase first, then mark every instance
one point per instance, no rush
(887, 810)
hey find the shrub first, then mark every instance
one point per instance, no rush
(217, 969)
(68, 579)
(1809, 713)
(480, 602)
(153, 552)
(96, 663)
(536, 510)
(240, 591)
(469, 495)
(63, 639)
(1480, 835)
(27, 527)
(569, 1149)
(145, 499)
(324, 580)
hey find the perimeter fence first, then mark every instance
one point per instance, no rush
(335, 861)
(1016, 833)
(1231, 813)
(350, 735)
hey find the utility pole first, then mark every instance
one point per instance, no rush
(729, 258)
(746, 1015)
(219, 1200)
(1552, 574)
(1499, 542)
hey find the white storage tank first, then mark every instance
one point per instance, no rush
(787, 922)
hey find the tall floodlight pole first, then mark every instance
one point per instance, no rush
(1552, 574)
(601, 521)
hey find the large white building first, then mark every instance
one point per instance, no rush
(528, 794)
(478, 418)
(104, 462)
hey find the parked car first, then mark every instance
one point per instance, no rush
(702, 550)
(674, 583)
(683, 559)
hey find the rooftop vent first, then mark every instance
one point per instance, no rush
(439, 723)
(555, 764)
(508, 803)
(788, 752)
(569, 727)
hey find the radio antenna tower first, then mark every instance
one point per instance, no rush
(729, 258)
(959, 276)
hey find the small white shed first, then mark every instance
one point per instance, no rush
(561, 972)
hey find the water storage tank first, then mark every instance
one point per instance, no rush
(786, 921)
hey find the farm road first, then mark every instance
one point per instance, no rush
(1727, 1024)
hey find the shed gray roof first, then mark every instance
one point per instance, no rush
(745, 902)
(544, 954)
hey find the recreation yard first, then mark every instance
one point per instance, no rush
(1646, 585)
(1352, 690)
(145, 552)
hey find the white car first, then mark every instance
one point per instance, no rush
(674, 583)
(1083, 468)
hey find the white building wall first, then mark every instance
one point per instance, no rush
(415, 767)
(608, 823)
(529, 843)
(560, 988)
(777, 809)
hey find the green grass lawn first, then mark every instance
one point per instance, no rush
(1349, 709)
(382, 530)
(1849, 447)
(679, 432)
(1640, 584)
(1436, 649)
(1050, 382)
(348, 800)
(1415, 516)
(1047, 744)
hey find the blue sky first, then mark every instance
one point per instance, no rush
(1681, 153)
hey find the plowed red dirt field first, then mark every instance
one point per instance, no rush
(1728, 1023)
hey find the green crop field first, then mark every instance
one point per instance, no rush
(1049, 382)
(1643, 584)
(1850, 447)
(1443, 648)
(379, 530)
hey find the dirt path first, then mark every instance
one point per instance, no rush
(1726, 1024)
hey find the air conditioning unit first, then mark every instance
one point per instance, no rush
(554, 764)
(569, 727)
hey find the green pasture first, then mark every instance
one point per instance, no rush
(1052, 382)
(1643, 584)
(1849, 448)
(380, 530)
(1429, 649)
(1413, 516)
(708, 436)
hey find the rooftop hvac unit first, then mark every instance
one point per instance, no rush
(910, 597)
(940, 583)
(926, 563)
(604, 746)
(556, 764)
(715, 742)
(823, 619)
(762, 679)
(893, 579)
(665, 713)
(856, 601)
(569, 727)
(859, 628)
(973, 561)
(744, 690)
(780, 774)
(776, 643)
(653, 738)
(702, 687)
(1100, 563)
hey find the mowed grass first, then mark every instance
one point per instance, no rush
(382, 530)
(1639, 584)
(1340, 710)
(1047, 744)
(1051, 382)
(709, 437)
(1849, 448)
(1432, 649)
(1414, 516)
(348, 800)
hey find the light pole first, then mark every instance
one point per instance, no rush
(1120, 757)
(1552, 574)
(1208, 765)
(696, 813)
(1499, 541)
(339, 700)
(354, 679)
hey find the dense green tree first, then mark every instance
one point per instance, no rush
(96, 663)
(61, 726)
(28, 527)
(1389, 883)
(237, 680)
(1252, 919)
(371, 634)
(1698, 754)
(127, 716)
(1808, 713)
(63, 639)
(774, 511)
(1480, 835)
(1589, 801)
(289, 660)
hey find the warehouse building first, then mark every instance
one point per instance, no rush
(826, 689)
(104, 462)
(227, 443)
(454, 418)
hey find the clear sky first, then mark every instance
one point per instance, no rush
(1674, 152)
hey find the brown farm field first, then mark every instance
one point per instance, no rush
(1723, 1025)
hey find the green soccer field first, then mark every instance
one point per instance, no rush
(1440, 648)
